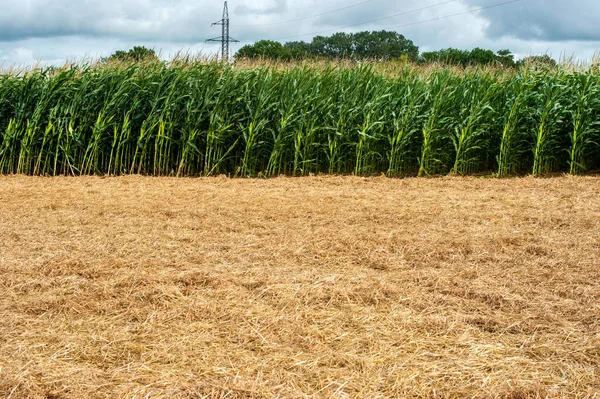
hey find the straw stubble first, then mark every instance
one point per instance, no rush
(299, 287)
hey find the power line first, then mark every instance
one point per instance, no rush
(305, 18)
(455, 15)
(373, 20)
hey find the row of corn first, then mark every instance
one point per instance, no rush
(205, 119)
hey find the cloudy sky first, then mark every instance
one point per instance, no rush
(53, 31)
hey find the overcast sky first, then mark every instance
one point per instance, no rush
(53, 31)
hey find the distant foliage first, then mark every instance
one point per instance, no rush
(265, 49)
(206, 119)
(477, 56)
(538, 60)
(136, 54)
(383, 45)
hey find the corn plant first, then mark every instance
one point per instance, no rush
(585, 134)
(516, 121)
(436, 151)
(551, 112)
(472, 133)
(189, 118)
(404, 138)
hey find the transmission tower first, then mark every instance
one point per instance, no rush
(224, 39)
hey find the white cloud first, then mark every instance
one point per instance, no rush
(56, 30)
(23, 55)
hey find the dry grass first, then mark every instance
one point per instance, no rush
(326, 287)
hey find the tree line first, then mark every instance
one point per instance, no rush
(380, 45)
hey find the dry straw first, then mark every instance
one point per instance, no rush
(313, 287)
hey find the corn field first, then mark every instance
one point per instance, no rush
(194, 119)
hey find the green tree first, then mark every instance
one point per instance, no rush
(136, 54)
(384, 45)
(450, 56)
(299, 50)
(506, 58)
(538, 60)
(477, 56)
(264, 49)
(362, 45)
(340, 45)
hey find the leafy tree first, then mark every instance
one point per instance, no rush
(136, 54)
(265, 49)
(449, 56)
(506, 58)
(299, 50)
(341, 45)
(384, 45)
(477, 56)
(362, 45)
(538, 60)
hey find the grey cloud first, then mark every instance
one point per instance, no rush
(68, 29)
(549, 20)
(277, 7)
(177, 21)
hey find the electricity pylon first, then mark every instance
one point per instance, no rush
(224, 39)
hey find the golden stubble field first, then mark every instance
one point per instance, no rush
(324, 287)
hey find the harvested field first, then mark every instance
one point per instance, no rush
(333, 287)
